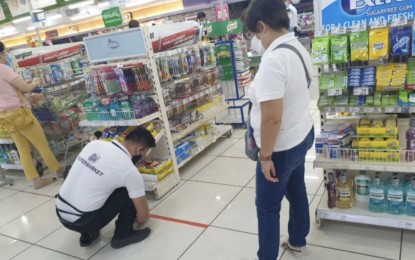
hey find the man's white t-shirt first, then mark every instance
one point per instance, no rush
(281, 76)
(100, 168)
(293, 14)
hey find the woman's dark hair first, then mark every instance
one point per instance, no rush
(133, 24)
(272, 12)
(142, 136)
(201, 15)
(2, 47)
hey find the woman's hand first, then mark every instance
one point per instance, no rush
(268, 169)
(36, 81)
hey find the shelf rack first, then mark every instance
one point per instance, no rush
(360, 214)
(348, 159)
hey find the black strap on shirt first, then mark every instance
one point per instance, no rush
(79, 214)
(114, 143)
(292, 48)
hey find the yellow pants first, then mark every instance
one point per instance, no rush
(34, 135)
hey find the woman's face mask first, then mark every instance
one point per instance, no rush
(257, 46)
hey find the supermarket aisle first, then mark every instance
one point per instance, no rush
(210, 215)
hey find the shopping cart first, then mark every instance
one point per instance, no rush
(57, 108)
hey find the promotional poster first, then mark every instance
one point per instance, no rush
(350, 13)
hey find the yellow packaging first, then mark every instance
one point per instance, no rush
(379, 43)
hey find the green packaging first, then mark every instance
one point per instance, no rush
(359, 46)
(339, 49)
(321, 50)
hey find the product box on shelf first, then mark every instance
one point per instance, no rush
(154, 166)
(384, 127)
(376, 143)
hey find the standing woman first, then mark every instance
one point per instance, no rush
(18, 120)
(282, 124)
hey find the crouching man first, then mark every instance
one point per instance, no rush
(103, 183)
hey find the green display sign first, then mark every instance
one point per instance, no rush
(224, 28)
(112, 17)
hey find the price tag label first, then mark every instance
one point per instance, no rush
(399, 21)
(393, 109)
(341, 109)
(378, 24)
(321, 33)
(363, 91)
(343, 217)
(359, 27)
(335, 92)
(354, 109)
(412, 109)
(338, 30)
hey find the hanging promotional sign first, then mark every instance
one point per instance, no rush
(112, 17)
(224, 28)
(191, 3)
(218, 12)
(22, 7)
(351, 13)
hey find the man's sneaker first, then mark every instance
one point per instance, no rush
(300, 252)
(135, 237)
(87, 239)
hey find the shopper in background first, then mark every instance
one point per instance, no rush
(282, 125)
(293, 15)
(133, 24)
(203, 21)
(15, 109)
(103, 183)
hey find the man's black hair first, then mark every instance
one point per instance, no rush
(2, 47)
(271, 12)
(133, 24)
(142, 136)
(201, 15)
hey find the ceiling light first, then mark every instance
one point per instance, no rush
(23, 19)
(135, 3)
(79, 17)
(54, 16)
(81, 4)
(103, 4)
(31, 28)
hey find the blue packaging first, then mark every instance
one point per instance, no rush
(413, 39)
(400, 41)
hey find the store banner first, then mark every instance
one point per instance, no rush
(350, 13)
(224, 28)
(168, 36)
(61, 54)
(112, 17)
(31, 57)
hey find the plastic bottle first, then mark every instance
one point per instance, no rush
(331, 191)
(377, 195)
(410, 198)
(344, 188)
(410, 135)
(395, 196)
(362, 182)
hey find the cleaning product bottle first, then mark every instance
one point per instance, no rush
(362, 187)
(344, 192)
(410, 198)
(377, 194)
(331, 191)
(395, 196)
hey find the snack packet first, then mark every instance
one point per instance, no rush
(379, 44)
(400, 41)
(321, 50)
(413, 39)
(359, 46)
(339, 49)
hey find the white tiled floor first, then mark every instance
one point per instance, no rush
(217, 199)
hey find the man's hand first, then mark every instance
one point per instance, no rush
(268, 170)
